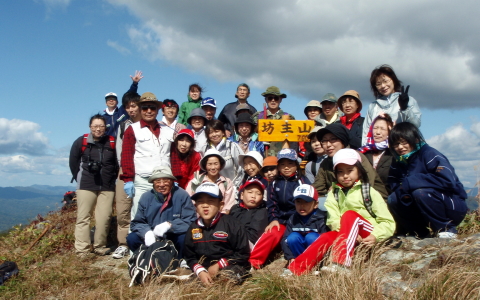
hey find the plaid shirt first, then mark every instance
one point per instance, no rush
(128, 149)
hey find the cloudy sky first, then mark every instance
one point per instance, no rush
(60, 57)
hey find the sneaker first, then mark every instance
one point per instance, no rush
(447, 235)
(286, 272)
(120, 252)
(335, 268)
(102, 251)
(183, 264)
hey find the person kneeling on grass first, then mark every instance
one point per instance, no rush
(251, 212)
(215, 244)
(165, 211)
(305, 225)
(357, 214)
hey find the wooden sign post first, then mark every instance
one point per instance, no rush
(281, 130)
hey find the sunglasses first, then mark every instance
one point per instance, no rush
(147, 107)
(270, 98)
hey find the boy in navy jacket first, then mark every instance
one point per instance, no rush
(251, 213)
(305, 225)
(215, 242)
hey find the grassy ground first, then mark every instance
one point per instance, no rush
(51, 270)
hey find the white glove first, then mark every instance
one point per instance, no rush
(149, 238)
(161, 229)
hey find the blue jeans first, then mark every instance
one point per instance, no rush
(134, 242)
(427, 208)
(298, 242)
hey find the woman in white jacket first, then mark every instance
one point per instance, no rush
(392, 99)
(216, 138)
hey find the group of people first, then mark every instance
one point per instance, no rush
(228, 201)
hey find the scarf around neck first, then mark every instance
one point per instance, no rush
(349, 123)
(404, 158)
(371, 144)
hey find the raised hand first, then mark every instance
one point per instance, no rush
(403, 98)
(138, 76)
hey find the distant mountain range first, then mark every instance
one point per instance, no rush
(19, 205)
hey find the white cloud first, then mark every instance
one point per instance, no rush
(43, 165)
(312, 47)
(462, 147)
(118, 47)
(21, 136)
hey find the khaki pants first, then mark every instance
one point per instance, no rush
(123, 206)
(87, 201)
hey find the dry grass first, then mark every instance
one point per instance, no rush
(52, 271)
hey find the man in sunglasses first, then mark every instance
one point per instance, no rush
(146, 145)
(273, 98)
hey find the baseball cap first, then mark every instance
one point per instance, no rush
(111, 95)
(329, 97)
(252, 182)
(346, 156)
(208, 101)
(305, 192)
(186, 132)
(208, 188)
(253, 154)
(288, 154)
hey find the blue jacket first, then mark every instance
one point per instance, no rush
(179, 211)
(253, 145)
(119, 115)
(316, 223)
(427, 168)
(280, 203)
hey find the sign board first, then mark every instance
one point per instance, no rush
(281, 130)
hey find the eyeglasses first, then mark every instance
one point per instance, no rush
(385, 81)
(332, 141)
(398, 144)
(98, 127)
(147, 107)
(270, 98)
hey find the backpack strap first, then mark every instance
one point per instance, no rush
(367, 199)
(112, 142)
(313, 168)
(122, 128)
(84, 142)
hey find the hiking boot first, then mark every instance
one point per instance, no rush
(120, 252)
(102, 251)
(447, 235)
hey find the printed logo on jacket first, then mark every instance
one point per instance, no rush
(197, 233)
(220, 235)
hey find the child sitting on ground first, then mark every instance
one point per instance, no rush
(357, 213)
(305, 225)
(215, 242)
(280, 206)
(251, 213)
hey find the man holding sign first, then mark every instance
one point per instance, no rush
(273, 98)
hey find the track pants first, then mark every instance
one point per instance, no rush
(351, 225)
(265, 245)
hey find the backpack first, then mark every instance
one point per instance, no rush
(367, 199)
(7, 270)
(85, 143)
(69, 198)
(149, 262)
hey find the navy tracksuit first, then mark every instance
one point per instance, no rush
(426, 192)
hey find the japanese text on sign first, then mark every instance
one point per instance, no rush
(280, 130)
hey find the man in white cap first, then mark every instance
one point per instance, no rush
(166, 211)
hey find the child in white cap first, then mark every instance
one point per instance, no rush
(357, 214)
